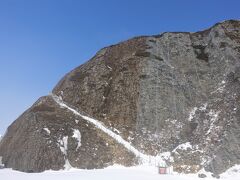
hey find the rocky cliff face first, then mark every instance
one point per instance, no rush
(174, 95)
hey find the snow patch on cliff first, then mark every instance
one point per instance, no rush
(47, 130)
(77, 136)
(184, 146)
(63, 144)
(192, 114)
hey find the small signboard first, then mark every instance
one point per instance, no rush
(162, 170)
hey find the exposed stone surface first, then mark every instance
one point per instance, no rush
(34, 149)
(202, 175)
(175, 92)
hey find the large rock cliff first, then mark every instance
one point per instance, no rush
(175, 95)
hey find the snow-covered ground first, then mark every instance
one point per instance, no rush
(110, 173)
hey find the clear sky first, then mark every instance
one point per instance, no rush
(41, 40)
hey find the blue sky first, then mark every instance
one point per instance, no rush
(42, 40)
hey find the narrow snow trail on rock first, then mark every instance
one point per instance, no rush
(145, 159)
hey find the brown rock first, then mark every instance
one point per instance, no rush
(156, 92)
